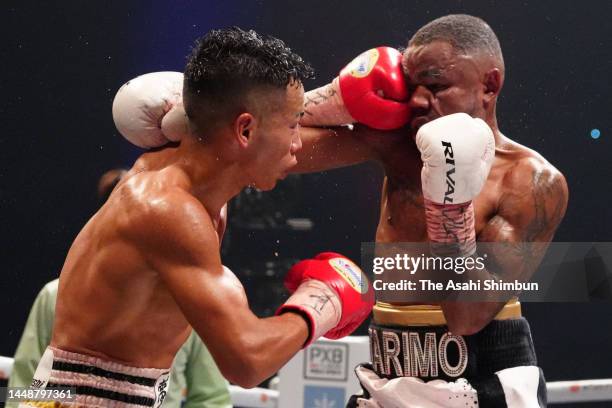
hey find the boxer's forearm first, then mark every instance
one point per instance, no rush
(247, 349)
(329, 148)
(262, 348)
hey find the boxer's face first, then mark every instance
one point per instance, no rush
(442, 82)
(278, 138)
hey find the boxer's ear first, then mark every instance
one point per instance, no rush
(492, 83)
(244, 125)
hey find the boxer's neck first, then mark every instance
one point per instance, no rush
(214, 176)
(204, 170)
(491, 120)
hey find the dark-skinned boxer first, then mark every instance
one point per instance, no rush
(444, 88)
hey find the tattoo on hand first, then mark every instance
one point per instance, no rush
(319, 301)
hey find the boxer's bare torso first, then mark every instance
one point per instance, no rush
(112, 303)
(523, 200)
(520, 202)
(147, 268)
(516, 171)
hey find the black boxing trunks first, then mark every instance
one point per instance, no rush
(427, 366)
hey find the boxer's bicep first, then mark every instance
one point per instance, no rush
(329, 148)
(179, 241)
(213, 301)
(530, 210)
(514, 240)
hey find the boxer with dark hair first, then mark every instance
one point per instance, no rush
(146, 268)
(452, 179)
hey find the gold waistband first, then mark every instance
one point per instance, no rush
(428, 315)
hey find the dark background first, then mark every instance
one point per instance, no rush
(63, 62)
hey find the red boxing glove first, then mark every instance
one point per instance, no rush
(371, 90)
(374, 90)
(332, 293)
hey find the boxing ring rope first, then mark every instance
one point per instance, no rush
(559, 392)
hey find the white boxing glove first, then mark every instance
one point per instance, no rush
(457, 152)
(148, 110)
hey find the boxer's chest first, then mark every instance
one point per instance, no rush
(402, 216)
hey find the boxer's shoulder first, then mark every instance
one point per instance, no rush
(536, 174)
(170, 218)
(531, 187)
(524, 167)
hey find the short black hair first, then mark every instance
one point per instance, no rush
(225, 65)
(467, 34)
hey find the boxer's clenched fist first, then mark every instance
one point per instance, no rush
(457, 152)
(148, 110)
(331, 292)
(371, 90)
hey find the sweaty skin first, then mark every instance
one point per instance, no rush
(523, 200)
(146, 268)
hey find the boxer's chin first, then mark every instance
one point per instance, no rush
(267, 185)
(416, 124)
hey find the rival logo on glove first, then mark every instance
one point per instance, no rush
(450, 182)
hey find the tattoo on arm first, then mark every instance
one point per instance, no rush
(318, 97)
(547, 195)
(546, 188)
